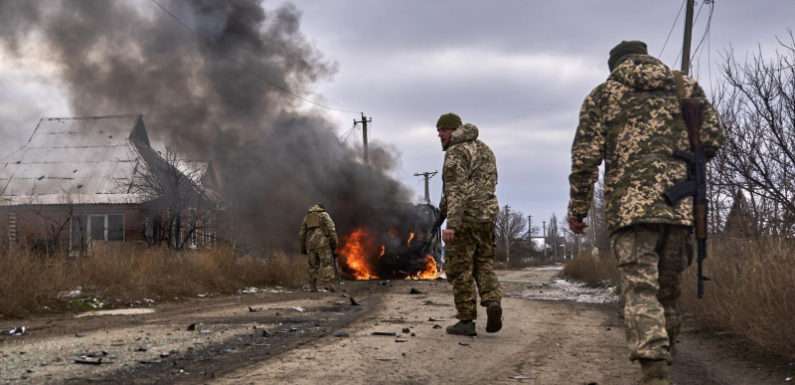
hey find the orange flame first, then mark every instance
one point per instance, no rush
(430, 269)
(359, 255)
(353, 249)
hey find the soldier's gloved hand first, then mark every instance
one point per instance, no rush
(576, 225)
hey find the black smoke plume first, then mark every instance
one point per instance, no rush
(215, 80)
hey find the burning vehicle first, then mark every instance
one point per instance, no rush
(407, 250)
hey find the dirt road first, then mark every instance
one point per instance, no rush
(393, 337)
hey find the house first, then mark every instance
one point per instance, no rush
(83, 181)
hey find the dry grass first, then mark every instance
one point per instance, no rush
(29, 282)
(752, 292)
(593, 270)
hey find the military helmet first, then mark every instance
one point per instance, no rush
(449, 120)
(621, 50)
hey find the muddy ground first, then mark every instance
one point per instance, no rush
(555, 333)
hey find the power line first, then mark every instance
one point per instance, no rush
(708, 27)
(192, 31)
(678, 14)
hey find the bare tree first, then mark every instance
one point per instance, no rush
(175, 199)
(510, 227)
(757, 107)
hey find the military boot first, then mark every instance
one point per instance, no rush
(463, 328)
(655, 372)
(494, 320)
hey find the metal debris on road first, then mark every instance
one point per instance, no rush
(437, 326)
(386, 334)
(341, 334)
(519, 377)
(298, 309)
(400, 340)
(88, 360)
(406, 330)
(93, 358)
(353, 301)
(462, 343)
(252, 309)
(18, 331)
(415, 291)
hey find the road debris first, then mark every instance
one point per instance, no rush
(415, 291)
(386, 334)
(93, 358)
(298, 309)
(401, 340)
(252, 309)
(341, 334)
(353, 301)
(437, 326)
(462, 343)
(18, 331)
(406, 330)
(194, 326)
(520, 377)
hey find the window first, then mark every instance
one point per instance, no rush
(106, 227)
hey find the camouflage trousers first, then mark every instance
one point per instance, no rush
(470, 264)
(651, 259)
(321, 267)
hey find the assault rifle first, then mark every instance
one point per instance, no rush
(437, 225)
(696, 184)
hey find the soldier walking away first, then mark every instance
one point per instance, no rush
(470, 205)
(634, 123)
(319, 241)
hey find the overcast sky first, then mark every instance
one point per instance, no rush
(518, 71)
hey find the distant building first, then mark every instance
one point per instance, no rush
(76, 185)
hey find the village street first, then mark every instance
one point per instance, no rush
(394, 336)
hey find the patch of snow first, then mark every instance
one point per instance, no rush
(548, 268)
(563, 290)
(133, 311)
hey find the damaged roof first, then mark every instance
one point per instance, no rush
(80, 160)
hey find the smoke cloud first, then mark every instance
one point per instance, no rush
(216, 81)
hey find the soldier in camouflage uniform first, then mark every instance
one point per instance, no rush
(470, 205)
(633, 122)
(319, 240)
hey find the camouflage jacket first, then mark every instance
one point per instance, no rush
(469, 175)
(318, 230)
(633, 122)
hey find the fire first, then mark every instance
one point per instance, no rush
(363, 256)
(430, 271)
(353, 249)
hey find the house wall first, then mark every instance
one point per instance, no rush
(49, 228)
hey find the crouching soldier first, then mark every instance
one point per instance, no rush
(319, 241)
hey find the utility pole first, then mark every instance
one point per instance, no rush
(544, 226)
(427, 175)
(364, 122)
(530, 228)
(688, 37)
